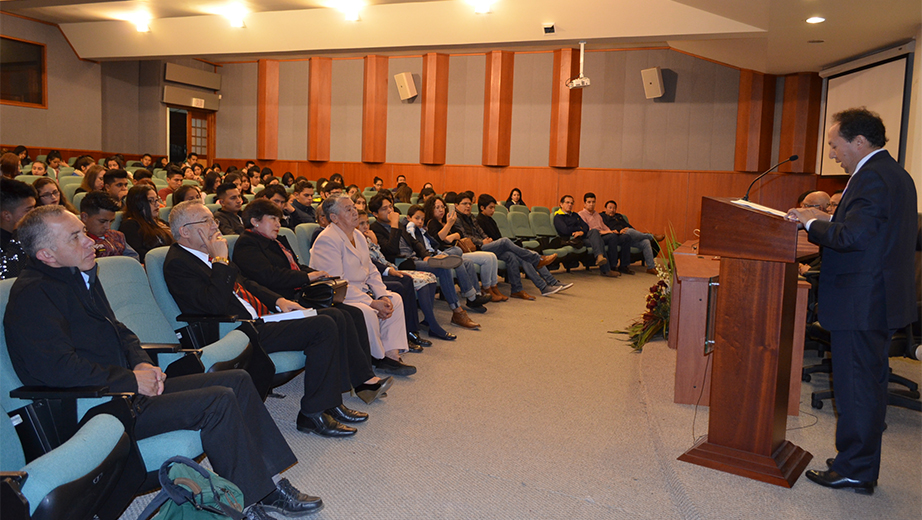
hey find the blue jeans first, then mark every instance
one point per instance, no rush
(518, 259)
(644, 241)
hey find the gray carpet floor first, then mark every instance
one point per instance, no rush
(543, 414)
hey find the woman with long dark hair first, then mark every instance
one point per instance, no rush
(49, 194)
(515, 199)
(142, 226)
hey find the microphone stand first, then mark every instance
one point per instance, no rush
(763, 174)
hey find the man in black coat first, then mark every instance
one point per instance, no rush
(202, 280)
(866, 289)
(81, 343)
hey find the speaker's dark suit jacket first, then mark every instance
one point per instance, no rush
(866, 282)
(866, 292)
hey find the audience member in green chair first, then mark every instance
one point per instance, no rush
(93, 179)
(49, 194)
(39, 168)
(116, 183)
(97, 212)
(16, 199)
(82, 344)
(142, 226)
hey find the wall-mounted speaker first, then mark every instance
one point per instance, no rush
(652, 82)
(406, 86)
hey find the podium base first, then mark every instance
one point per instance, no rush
(782, 468)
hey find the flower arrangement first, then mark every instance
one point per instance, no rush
(655, 320)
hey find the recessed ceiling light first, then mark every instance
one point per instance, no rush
(350, 8)
(816, 19)
(235, 13)
(482, 6)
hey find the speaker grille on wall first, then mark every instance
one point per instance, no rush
(406, 87)
(652, 82)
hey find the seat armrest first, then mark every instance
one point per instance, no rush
(161, 348)
(48, 392)
(213, 318)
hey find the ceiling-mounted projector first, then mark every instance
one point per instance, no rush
(579, 81)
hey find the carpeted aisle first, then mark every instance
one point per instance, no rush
(544, 415)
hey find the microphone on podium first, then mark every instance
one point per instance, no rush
(763, 174)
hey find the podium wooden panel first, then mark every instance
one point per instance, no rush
(754, 336)
(687, 322)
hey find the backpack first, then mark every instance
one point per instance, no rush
(191, 492)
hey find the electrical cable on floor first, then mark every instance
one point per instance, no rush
(700, 395)
(815, 420)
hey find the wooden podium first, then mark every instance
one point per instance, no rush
(753, 340)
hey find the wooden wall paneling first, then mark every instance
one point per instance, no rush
(653, 199)
(374, 110)
(800, 121)
(780, 191)
(831, 183)
(497, 108)
(434, 118)
(538, 185)
(605, 183)
(320, 91)
(566, 111)
(754, 120)
(714, 184)
(267, 110)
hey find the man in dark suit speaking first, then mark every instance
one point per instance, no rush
(866, 289)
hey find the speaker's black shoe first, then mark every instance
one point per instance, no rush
(416, 349)
(346, 415)
(415, 339)
(324, 425)
(831, 479)
(287, 500)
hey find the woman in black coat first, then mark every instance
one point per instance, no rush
(268, 259)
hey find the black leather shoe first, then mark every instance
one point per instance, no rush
(476, 305)
(831, 479)
(416, 349)
(448, 336)
(415, 339)
(829, 462)
(287, 500)
(323, 425)
(394, 367)
(368, 392)
(346, 415)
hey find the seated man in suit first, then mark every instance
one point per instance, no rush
(341, 250)
(97, 211)
(228, 216)
(202, 280)
(570, 226)
(80, 343)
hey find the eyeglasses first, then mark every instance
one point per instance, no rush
(833, 205)
(49, 195)
(154, 201)
(207, 220)
(817, 206)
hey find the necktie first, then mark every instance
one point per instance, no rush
(261, 310)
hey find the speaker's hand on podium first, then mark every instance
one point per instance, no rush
(804, 215)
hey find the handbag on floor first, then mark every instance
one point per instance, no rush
(191, 492)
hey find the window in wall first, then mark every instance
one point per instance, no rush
(22, 73)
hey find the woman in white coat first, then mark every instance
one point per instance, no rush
(341, 251)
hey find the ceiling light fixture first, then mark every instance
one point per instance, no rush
(482, 6)
(816, 19)
(235, 13)
(141, 21)
(351, 8)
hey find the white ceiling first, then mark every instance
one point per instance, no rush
(765, 35)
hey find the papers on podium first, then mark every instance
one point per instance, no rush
(285, 316)
(758, 207)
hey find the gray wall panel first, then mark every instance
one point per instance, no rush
(119, 88)
(293, 94)
(74, 114)
(403, 117)
(531, 109)
(236, 121)
(693, 126)
(603, 110)
(152, 118)
(466, 76)
(346, 110)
